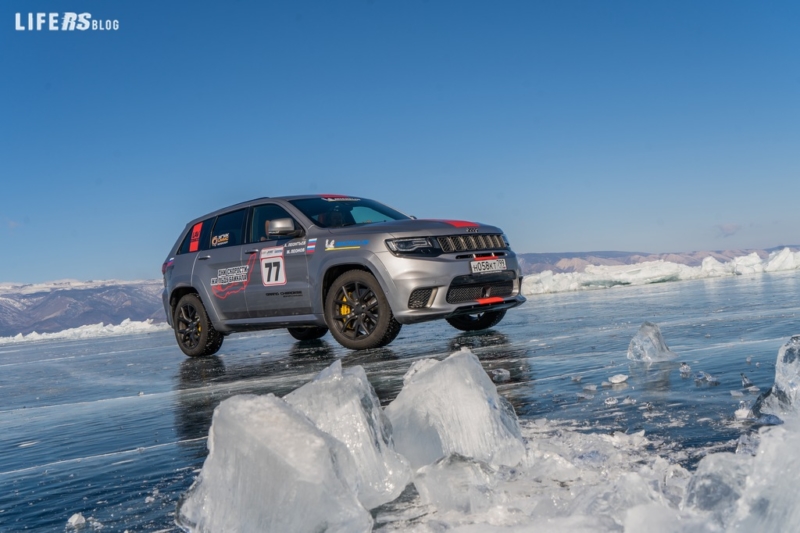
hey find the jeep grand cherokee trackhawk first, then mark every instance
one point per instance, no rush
(330, 262)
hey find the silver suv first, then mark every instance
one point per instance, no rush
(330, 262)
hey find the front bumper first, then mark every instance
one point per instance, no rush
(424, 289)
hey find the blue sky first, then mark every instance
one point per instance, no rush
(575, 126)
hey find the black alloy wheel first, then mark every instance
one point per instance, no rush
(477, 321)
(308, 334)
(358, 313)
(194, 332)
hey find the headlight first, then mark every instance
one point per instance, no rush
(414, 245)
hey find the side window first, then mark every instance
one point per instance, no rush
(229, 229)
(197, 238)
(262, 216)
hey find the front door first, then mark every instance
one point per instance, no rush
(280, 286)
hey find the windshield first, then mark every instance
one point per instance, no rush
(340, 211)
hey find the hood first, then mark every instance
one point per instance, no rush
(426, 227)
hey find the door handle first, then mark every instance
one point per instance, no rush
(204, 258)
(251, 252)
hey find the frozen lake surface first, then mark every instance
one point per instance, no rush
(116, 428)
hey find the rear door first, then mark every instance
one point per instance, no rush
(280, 285)
(222, 269)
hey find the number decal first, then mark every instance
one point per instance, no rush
(273, 271)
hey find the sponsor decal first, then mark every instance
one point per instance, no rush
(331, 245)
(194, 243)
(312, 245)
(286, 294)
(472, 230)
(67, 21)
(219, 240)
(273, 271)
(232, 280)
(295, 247)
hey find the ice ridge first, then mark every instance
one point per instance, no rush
(603, 277)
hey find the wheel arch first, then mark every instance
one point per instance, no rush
(335, 271)
(176, 295)
(367, 261)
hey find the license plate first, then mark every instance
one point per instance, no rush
(488, 265)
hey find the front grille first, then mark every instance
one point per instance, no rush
(476, 242)
(419, 298)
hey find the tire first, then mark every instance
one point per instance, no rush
(477, 321)
(308, 334)
(194, 332)
(358, 313)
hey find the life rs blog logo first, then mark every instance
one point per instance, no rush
(63, 22)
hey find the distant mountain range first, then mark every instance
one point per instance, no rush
(578, 261)
(59, 305)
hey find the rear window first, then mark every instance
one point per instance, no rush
(197, 238)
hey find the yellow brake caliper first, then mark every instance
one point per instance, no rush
(344, 309)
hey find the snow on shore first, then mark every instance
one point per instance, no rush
(126, 327)
(603, 277)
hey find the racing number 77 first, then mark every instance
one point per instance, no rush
(273, 269)
(268, 271)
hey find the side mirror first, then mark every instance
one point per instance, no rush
(285, 228)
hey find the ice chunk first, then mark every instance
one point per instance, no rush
(269, 468)
(748, 444)
(648, 345)
(743, 412)
(452, 406)
(783, 396)
(344, 405)
(618, 378)
(76, 520)
(500, 375)
(783, 260)
(705, 377)
(770, 501)
(457, 483)
(717, 484)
